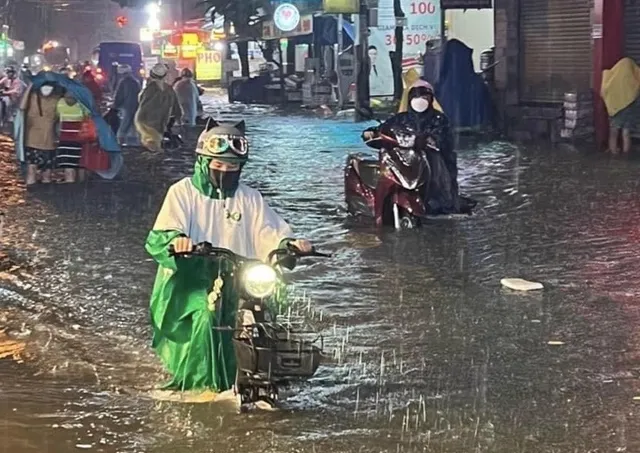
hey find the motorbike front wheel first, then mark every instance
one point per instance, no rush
(403, 220)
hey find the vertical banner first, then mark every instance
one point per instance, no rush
(424, 22)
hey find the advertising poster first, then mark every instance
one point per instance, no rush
(424, 22)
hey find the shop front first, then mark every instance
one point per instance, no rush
(556, 49)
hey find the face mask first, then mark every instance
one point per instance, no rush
(224, 180)
(46, 90)
(419, 104)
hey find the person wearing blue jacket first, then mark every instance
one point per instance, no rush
(126, 103)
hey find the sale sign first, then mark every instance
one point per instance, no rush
(424, 23)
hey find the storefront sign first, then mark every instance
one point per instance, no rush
(596, 31)
(209, 65)
(270, 31)
(146, 35)
(466, 4)
(286, 17)
(341, 6)
(423, 23)
(169, 51)
(190, 45)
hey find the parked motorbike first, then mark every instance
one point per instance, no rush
(391, 188)
(269, 354)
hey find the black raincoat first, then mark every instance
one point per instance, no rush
(442, 196)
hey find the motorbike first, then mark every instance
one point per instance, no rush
(269, 354)
(391, 188)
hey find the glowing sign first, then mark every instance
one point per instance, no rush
(209, 65)
(286, 17)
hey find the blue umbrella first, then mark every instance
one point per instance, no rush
(83, 95)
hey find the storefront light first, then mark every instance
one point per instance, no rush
(153, 23)
(218, 46)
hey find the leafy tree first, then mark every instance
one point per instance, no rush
(246, 17)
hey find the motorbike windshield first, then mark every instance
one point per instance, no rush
(407, 166)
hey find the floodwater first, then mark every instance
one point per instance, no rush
(427, 352)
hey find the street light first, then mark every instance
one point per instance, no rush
(153, 10)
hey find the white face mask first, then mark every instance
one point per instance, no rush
(46, 90)
(419, 104)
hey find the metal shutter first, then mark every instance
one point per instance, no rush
(632, 29)
(555, 49)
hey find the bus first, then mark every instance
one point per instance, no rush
(108, 55)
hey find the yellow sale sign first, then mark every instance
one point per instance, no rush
(209, 65)
(341, 6)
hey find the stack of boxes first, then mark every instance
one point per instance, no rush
(578, 116)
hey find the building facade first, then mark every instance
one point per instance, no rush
(548, 48)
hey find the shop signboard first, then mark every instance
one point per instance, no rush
(423, 23)
(304, 27)
(209, 65)
(466, 4)
(190, 45)
(286, 17)
(169, 51)
(341, 6)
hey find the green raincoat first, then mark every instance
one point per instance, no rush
(197, 355)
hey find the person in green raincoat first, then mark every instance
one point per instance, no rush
(210, 206)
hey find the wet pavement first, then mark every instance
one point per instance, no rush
(429, 353)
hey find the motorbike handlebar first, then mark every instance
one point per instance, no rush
(207, 250)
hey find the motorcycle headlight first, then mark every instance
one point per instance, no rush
(260, 280)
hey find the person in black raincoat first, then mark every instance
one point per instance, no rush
(431, 127)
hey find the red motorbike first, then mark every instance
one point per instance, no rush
(392, 188)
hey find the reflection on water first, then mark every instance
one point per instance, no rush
(429, 352)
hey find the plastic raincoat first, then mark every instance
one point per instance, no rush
(197, 355)
(158, 103)
(443, 194)
(188, 96)
(126, 102)
(620, 85)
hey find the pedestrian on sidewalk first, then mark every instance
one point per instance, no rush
(71, 115)
(621, 94)
(40, 113)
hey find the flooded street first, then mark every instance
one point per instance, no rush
(429, 353)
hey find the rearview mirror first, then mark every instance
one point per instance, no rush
(367, 114)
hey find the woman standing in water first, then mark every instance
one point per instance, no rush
(71, 115)
(40, 107)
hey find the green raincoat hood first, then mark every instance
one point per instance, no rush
(202, 182)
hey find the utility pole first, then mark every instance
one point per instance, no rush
(362, 63)
(337, 67)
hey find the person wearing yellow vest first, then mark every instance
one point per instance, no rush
(621, 94)
(71, 115)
